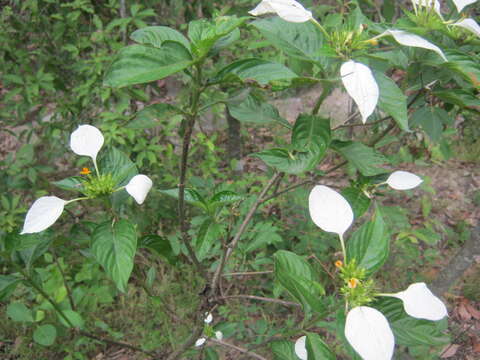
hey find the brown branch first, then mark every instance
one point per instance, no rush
(237, 348)
(248, 273)
(260, 298)
(231, 247)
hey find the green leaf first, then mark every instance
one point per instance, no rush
(150, 116)
(158, 244)
(369, 245)
(226, 41)
(317, 349)
(115, 162)
(311, 133)
(259, 70)
(363, 157)
(466, 65)
(410, 331)
(74, 317)
(191, 196)
(209, 233)
(114, 246)
(73, 183)
(357, 200)
(460, 97)
(299, 40)
(392, 100)
(297, 277)
(137, 64)
(30, 247)
(45, 335)
(225, 197)
(157, 35)
(286, 161)
(8, 283)
(283, 350)
(429, 118)
(254, 110)
(18, 312)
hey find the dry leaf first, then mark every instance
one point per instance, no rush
(450, 350)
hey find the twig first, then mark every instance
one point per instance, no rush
(248, 273)
(238, 348)
(322, 97)
(231, 247)
(260, 298)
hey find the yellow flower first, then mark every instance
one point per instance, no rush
(339, 264)
(352, 283)
(85, 171)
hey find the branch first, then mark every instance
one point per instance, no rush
(237, 348)
(260, 298)
(231, 247)
(249, 273)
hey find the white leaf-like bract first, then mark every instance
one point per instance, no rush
(369, 333)
(407, 39)
(361, 86)
(219, 335)
(300, 348)
(208, 318)
(42, 214)
(288, 10)
(329, 210)
(429, 4)
(460, 4)
(200, 342)
(421, 303)
(403, 180)
(87, 140)
(138, 187)
(470, 25)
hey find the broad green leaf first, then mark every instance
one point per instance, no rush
(460, 97)
(119, 165)
(357, 200)
(18, 312)
(209, 233)
(369, 245)
(73, 183)
(410, 331)
(150, 116)
(392, 100)
(137, 64)
(191, 196)
(287, 161)
(226, 41)
(283, 350)
(311, 133)
(30, 247)
(466, 65)
(159, 244)
(429, 118)
(74, 317)
(363, 157)
(114, 246)
(8, 283)
(254, 110)
(157, 35)
(45, 335)
(254, 69)
(297, 277)
(261, 235)
(300, 40)
(317, 349)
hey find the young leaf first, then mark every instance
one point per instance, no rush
(407, 39)
(157, 35)
(419, 302)
(329, 210)
(392, 100)
(45, 335)
(114, 246)
(361, 86)
(369, 245)
(369, 333)
(138, 64)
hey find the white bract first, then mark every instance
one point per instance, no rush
(43, 214)
(300, 348)
(329, 210)
(138, 187)
(470, 25)
(403, 180)
(87, 140)
(200, 342)
(407, 39)
(219, 335)
(421, 303)
(361, 86)
(460, 4)
(369, 333)
(288, 10)
(208, 318)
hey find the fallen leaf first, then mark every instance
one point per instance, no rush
(472, 310)
(450, 350)
(463, 312)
